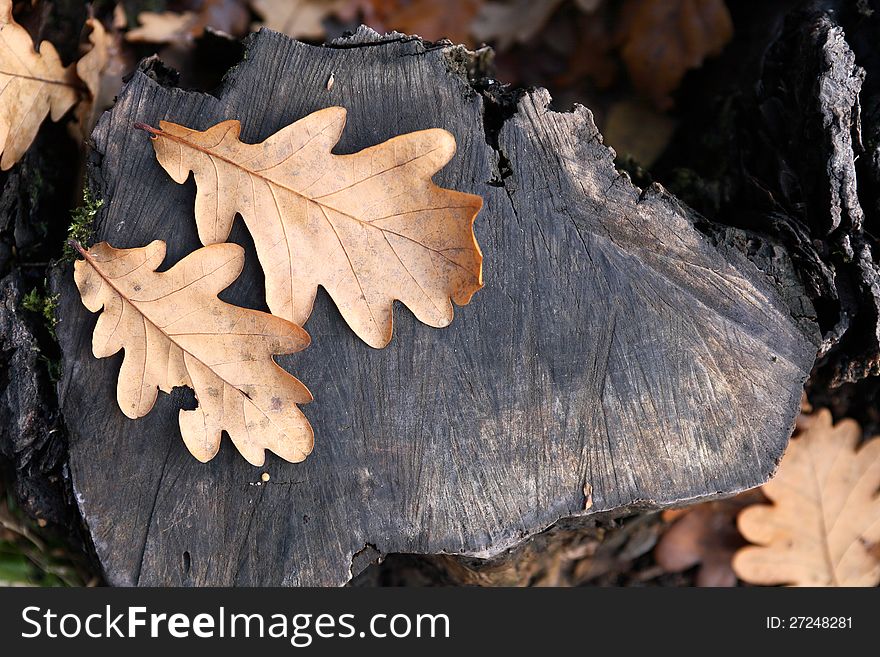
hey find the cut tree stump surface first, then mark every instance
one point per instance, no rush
(617, 358)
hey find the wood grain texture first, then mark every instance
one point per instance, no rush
(614, 348)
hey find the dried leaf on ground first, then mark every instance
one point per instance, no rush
(228, 16)
(91, 69)
(704, 535)
(662, 39)
(166, 27)
(176, 332)
(91, 65)
(32, 85)
(637, 130)
(300, 18)
(823, 528)
(594, 57)
(370, 227)
(429, 19)
(505, 24)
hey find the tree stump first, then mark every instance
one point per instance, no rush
(622, 355)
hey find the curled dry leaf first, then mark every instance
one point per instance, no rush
(91, 65)
(176, 332)
(662, 39)
(823, 528)
(370, 227)
(91, 68)
(32, 85)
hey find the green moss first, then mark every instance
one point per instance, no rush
(82, 222)
(44, 305)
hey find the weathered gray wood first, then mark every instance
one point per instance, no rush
(794, 114)
(615, 350)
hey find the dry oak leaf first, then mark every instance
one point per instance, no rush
(300, 18)
(662, 39)
(91, 69)
(704, 535)
(370, 227)
(506, 24)
(91, 65)
(429, 19)
(166, 27)
(227, 16)
(823, 528)
(176, 332)
(32, 85)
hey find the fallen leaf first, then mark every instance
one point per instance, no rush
(704, 535)
(90, 69)
(228, 16)
(166, 27)
(429, 19)
(91, 65)
(32, 85)
(298, 18)
(662, 39)
(823, 527)
(806, 406)
(120, 20)
(370, 227)
(505, 24)
(637, 130)
(594, 56)
(176, 332)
